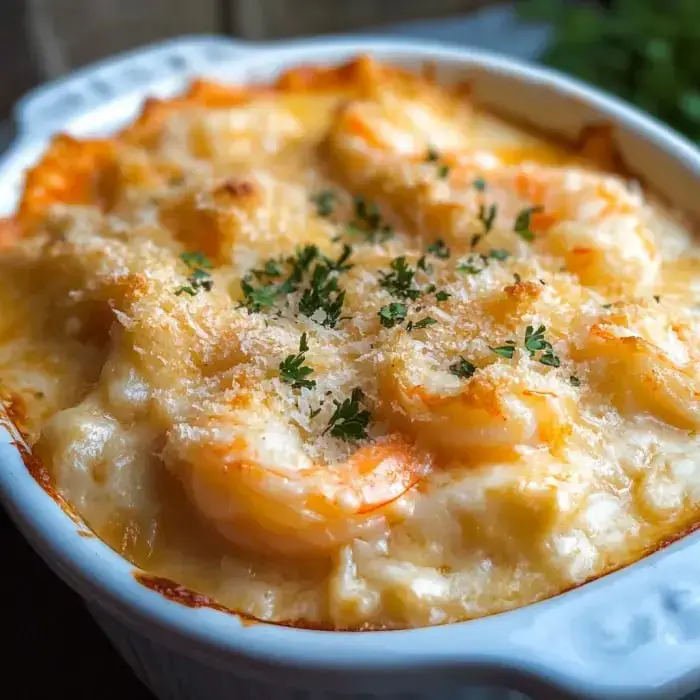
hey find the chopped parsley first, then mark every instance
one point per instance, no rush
(575, 381)
(325, 202)
(487, 216)
(523, 222)
(324, 294)
(293, 371)
(439, 249)
(259, 298)
(433, 156)
(498, 254)
(463, 368)
(341, 264)
(473, 265)
(422, 265)
(349, 421)
(399, 282)
(478, 262)
(196, 259)
(314, 413)
(423, 323)
(368, 221)
(535, 342)
(479, 184)
(507, 350)
(657, 298)
(392, 314)
(442, 295)
(200, 277)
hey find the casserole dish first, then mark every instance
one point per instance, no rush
(633, 634)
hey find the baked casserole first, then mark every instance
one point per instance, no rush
(351, 352)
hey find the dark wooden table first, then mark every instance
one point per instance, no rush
(46, 623)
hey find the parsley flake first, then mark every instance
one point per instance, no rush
(432, 156)
(439, 249)
(423, 323)
(392, 314)
(442, 295)
(399, 281)
(323, 293)
(523, 222)
(200, 277)
(325, 202)
(195, 259)
(474, 264)
(462, 368)
(479, 184)
(574, 380)
(487, 216)
(535, 342)
(507, 350)
(499, 254)
(293, 371)
(368, 221)
(443, 171)
(348, 421)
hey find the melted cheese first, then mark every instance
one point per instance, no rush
(537, 429)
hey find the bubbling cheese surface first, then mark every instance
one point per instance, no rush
(349, 350)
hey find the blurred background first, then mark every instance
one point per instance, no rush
(647, 51)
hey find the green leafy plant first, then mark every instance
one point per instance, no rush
(645, 51)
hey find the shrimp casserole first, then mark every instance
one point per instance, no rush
(349, 351)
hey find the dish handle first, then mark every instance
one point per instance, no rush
(54, 106)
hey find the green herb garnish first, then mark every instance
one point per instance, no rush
(323, 293)
(196, 259)
(439, 249)
(325, 202)
(498, 254)
(463, 368)
(432, 156)
(368, 221)
(399, 281)
(487, 216)
(258, 298)
(479, 184)
(535, 342)
(470, 264)
(392, 314)
(523, 221)
(442, 295)
(200, 277)
(507, 350)
(574, 380)
(423, 323)
(293, 371)
(443, 171)
(349, 421)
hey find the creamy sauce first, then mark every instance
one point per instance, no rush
(503, 404)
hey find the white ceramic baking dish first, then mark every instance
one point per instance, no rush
(634, 634)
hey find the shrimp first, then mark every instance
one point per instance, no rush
(248, 474)
(598, 225)
(656, 373)
(491, 414)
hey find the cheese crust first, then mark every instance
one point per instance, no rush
(350, 351)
